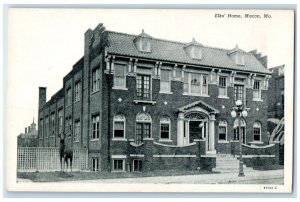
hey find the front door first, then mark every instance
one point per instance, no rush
(194, 129)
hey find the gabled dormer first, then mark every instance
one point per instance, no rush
(143, 42)
(237, 55)
(194, 49)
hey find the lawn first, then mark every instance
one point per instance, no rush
(72, 176)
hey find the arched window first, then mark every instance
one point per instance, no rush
(236, 130)
(223, 130)
(165, 124)
(143, 127)
(119, 126)
(257, 131)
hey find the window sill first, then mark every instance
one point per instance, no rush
(119, 88)
(149, 138)
(223, 97)
(256, 142)
(257, 100)
(165, 92)
(223, 141)
(94, 140)
(193, 94)
(76, 141)
(144, 101)
(118, 171)
(96, 91)
(119, 139)
(165, 140)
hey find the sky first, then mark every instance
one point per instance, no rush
(44, 44)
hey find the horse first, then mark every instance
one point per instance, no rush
(65, 153)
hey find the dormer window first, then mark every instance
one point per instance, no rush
(237, 55)
(194, 49)
(143, 42)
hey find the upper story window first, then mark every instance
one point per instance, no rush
(41, 129)
(165, 127)
(256, 90)
(239, 92)
(165, 81)
(68, 125)
(69, 96)
(46, 126)
(196, 53)
(95, 79)
(240, 59)
(222, 86)
(60, 120)
(143, 84)
(237, 55)
(76, 131)
(52, 124)
(95, 125)
(77, 91)
(195, 84)
(257, 131)
(178, 73)
(119, 126)
(120, 76)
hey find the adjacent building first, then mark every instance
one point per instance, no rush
(30, 137)
(136, 102)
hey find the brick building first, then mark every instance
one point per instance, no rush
(142, 103)
(30, 137)
(276, 91)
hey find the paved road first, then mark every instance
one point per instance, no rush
(251, 177)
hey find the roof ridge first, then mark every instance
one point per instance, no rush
(171, 41)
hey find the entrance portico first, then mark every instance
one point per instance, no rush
(197, 121)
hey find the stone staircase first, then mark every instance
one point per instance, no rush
(226, 163)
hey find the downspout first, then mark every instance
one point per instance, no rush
(108, 116)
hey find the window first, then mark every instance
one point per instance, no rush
(256, 90)
(137, 165)
(143, 127)
(195, 83)
(119, 126)
(76, 131)
(240, 59)
(143, 86)
(46, 126)
(165, 81)
(197, 53)
(223, 130)
(118, 164)
(68, 125)
(222, 86)
(120, 76)
(257, 131)
(238, 92)
(164, 127)
(77, 91)
(178, 73)
(52, 124)
(69, 96)
(95, 164)
(95, 129)
(95, 79)
(236, 130)
(60, 120)
(41, 128)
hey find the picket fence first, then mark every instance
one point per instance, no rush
(32, 159)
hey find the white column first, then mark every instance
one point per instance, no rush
(180, 128)
(212, 132)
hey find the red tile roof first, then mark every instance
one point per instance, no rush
(164, 50)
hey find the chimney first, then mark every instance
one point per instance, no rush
(25, 130)
(29, 129)
(42, 96)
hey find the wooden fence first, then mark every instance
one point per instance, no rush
(31, 159)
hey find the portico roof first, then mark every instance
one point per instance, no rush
(200, 104)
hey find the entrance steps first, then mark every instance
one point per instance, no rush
(227, 163)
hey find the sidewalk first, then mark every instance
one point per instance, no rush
(251, 177)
